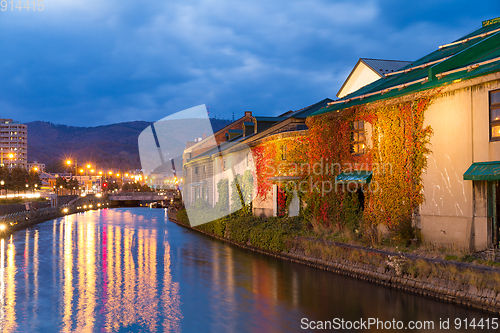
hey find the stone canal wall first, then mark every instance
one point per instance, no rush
(443, 289)
(25, 219)
(475, 287)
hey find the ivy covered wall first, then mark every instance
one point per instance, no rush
(397, 158)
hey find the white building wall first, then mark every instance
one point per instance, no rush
(454, 212)
(361, 76)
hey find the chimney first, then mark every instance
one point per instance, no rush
(204, 136)
(248, 113)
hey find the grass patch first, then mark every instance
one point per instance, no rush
(488, 263)
(462, 258)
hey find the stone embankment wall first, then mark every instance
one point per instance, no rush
(394, 270)
(16, 208)
(24, 219)
(435, 287)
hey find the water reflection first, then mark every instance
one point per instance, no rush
(128, 270)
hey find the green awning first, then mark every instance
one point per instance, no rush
(483, 171)
(363, 177)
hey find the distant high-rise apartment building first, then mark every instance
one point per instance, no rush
(13, 143)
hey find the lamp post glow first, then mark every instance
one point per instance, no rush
(68, 162)
(10, 156)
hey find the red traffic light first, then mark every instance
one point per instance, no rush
(105, 185)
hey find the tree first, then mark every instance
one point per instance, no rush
(146, 188)
(19, 179)
(73, 185)
(60, 184)
(5, 178)
(34, 179)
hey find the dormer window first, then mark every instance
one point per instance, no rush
(495, 115)
(358, 146)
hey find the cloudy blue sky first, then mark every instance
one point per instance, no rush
(97, 62)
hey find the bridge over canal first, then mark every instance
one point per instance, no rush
(135, 198)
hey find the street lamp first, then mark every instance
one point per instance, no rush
(68, 162)
(88, 169)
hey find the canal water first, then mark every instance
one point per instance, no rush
(131, 270)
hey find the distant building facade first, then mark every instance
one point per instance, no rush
(13, 143)
(35, 166)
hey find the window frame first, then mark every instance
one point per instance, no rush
(490, 108)
(283, 152)
(358, 142)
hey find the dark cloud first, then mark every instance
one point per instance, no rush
(93, 62)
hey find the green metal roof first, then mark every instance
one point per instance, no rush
(363, 177)
(483, 171)
(460, 55)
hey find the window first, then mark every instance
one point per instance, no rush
(358, 137)
(196, 170)
(495, 115)
(283, 153)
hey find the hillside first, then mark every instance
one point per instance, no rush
(109, 146)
